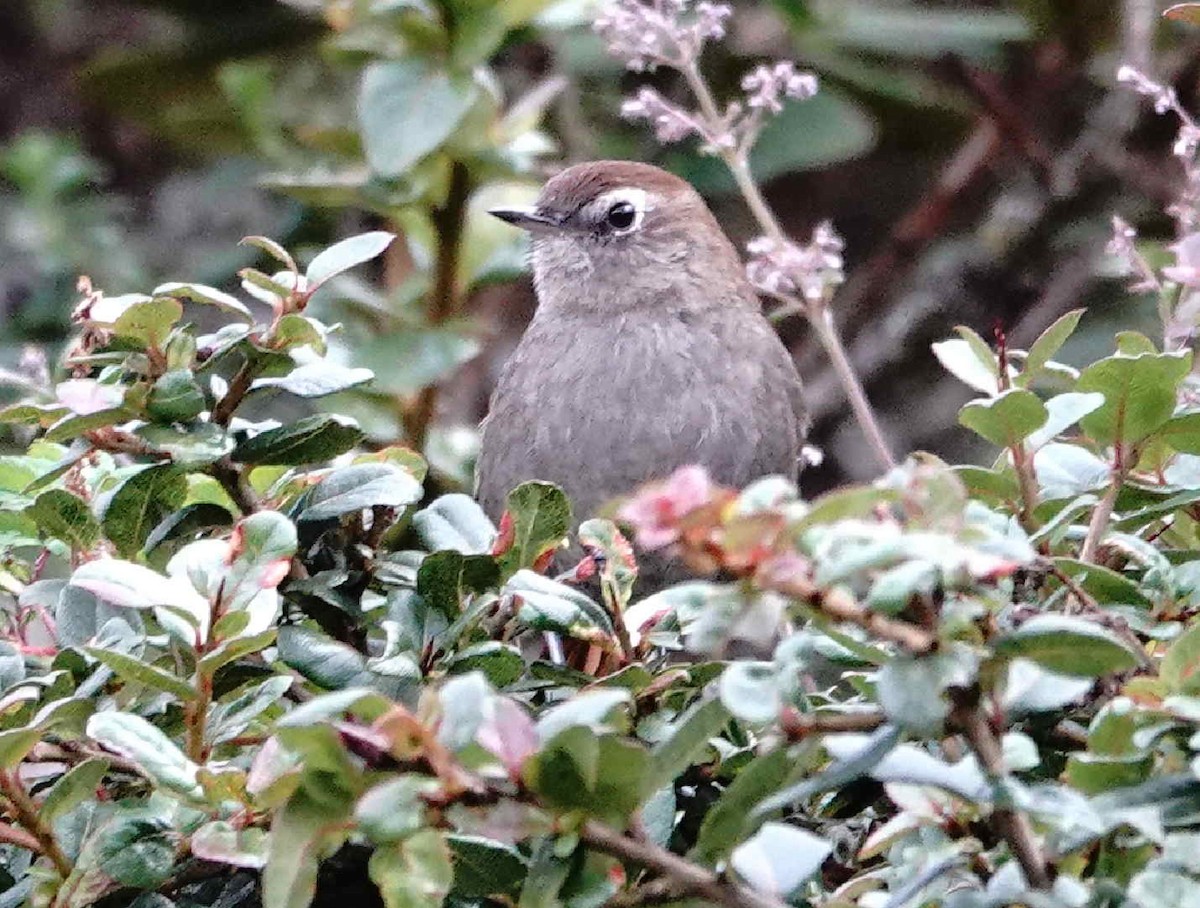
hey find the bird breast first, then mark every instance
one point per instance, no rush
(602, 405)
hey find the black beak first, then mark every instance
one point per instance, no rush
(526, 218)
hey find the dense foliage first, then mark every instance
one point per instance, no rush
(254, 651)
(264, 646)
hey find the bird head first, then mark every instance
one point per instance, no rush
(616, 235)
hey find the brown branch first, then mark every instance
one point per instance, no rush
(449, 222)
(239, 387)
(1013, 825)
(12, 835)
(1101, 517)
(797, 725)
(25, 812)
(233, 479)
(691, 879)
(839, 605)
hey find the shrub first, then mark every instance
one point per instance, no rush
(242, 649)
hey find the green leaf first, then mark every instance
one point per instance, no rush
(541, 519)
(779, 858)
(77, 785)
(64, 516)
(346, 254)
(134, 669)
(155, 754)
(188, 521)
(596, 710)
(1067, 471)
(750, 690)
(1063, 411)
(416, 873)
(1180, 667)
(912, 690)
(72, 426)
(726, 822)
(457, 522)
(15, 744)
(1182, 433)
(961, 360)
(133, 586)
(548, 605)
(302, 833)
(445, 579)
(189, 447)
(1007, 419)
(484, 867)
(601, 776)
(271, 248)
(1042, 350)
(359, 486)
(224, 843)
(893, 589)
(689, 739)
(501, 663)
(232, 715)
(209, 296)
(175, 397)
(135, 851)
(149, 322)
(326, 662)
(316, 379)
(1069, 646)
(395, 809)
(418, 357)
(309, 440)
(1139, 395)
(141, 503)
(407, 108)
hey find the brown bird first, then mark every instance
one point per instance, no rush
(648, 349)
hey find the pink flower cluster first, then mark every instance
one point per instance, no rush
(660, 32)
(767, 85)
(786, 268)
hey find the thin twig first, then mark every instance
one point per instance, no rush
(237, 486)
(26, 813)
(1012, 824)
(827, 334)
(690, 878)
(839, 605)
(797, 725)
(819, 317)
(1100, 518)
(239, 387)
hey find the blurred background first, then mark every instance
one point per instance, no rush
(970, 153)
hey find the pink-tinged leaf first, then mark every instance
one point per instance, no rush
(1184, 12)
(509, 734)
(85, 396)
(222, 843)
(272, 575)
(654, 513)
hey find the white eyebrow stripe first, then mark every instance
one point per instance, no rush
(635, 196)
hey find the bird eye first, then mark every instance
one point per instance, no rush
(621, 216)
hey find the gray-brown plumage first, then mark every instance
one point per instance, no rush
(648, 349)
